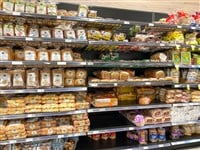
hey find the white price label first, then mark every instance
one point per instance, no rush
(176, 86)
(179, 27)
(16, 13)
(58, 17)
(151, 24)
(61, 63)
(147, 83)
(102, 109)
(90, 63)
(17, 63)
(131, 128)
(68, 40)
(40, 90)
(94, 84)
(61, 136)
(193, 28)
(83, 63)
(95, 132)
(28, 39)
(31, 115)
(126, 22)
(161, 145)
(145, 147)
(12, 141)
(162, 44)
(91, 19)
(29, 140)
(115, 84)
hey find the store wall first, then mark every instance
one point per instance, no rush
(164, 6)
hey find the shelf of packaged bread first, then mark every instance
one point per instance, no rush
(42, 138)
(43, 63)
(129, 64)
(130, 83)
(35, 115)
(185, 123)
(186, 104)
(128, 107)
(50, 90)
(187, 85)
(186, 140)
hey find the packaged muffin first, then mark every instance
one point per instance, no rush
(51, 8)
(20, 29)
(30, 53)
(5, 79)
(94, 34)
(83, 11)
(70, 74)
(33, 31)
(30, 7)
(70, 34)
(67, 55)
(32, 78)
(55, 55)
(45, 78)
(8, 5)
(43, 54)
(5, 53)
(18, 78)
(81, 35)
(41, 8)
(20, 6)
(8, 29)
(106, 35)
(58, 33)
(81, 74)
(45, 32)
(19, 55)
(57, 75)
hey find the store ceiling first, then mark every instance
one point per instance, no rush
(164, 6)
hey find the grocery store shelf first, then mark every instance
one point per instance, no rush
(42, 138)
(188, 140)
(50, 90)
(42, 63)
(186, 104)
(185, 123)
(33, 115)
(129, 64)
(188, 66)
(187, 85)
(129, 83)
(128, 107)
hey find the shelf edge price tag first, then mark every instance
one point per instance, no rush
(177, 67)
(40, 90)
(178, 46)
(193, 28)
(145, 147)
(17, 63)
(147, 83)
(94, 84)
(16, 13)
(162, 44)
(91, 19)
(29, 140)
(151, 24)
(193, 47)
(176, 86)
(12, 141)
(68, 40)
(29, 39)
(115, 84)
(126, 22)
(58, 17)
(61, 136)
(61, 63)
(161, 145)
(90, 63)
(95, 132)
(31, 115)
(188, 87)
(179, 27)
(131, 128)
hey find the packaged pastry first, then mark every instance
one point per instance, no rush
(112, 135)
(186, 130)
(79, 116)
(32, 78)
(3, 111)
(15, 102)
(81, 74)
(77, 57)
(149, 73)
(32, 124)
(96, 137)
(3, 131)
(15, 111)
(49, 99)
(48, 122)
(33, 133)
(92, 14)
(83, 11)
(41, 8)
(33, 99)
(106, 35)
(142, 136)
(45, 78)
(65, 129)
(104, 136)
(81, 35)
(51, 8)
(63, 120)
(18, 54)
(48, 131)
(149, 120)
(30, 7)
(69, 82)
(20, 6)
(94, 34)
(155, 113)
(20, 30)
(18, 78)
(8, 29)
(33, 31)
(70, 74)
(159, 57)
(67, 55)
(161, 134)
(5, 53)
(82, 105)
(66, 98)
(30, 53)
(58, 32)
(119, 37)
(58, 77)
(145, 100)
(8, 5)
(124, 75)
(43, 54)
(80, 82)
(45, 32)
(153, 135)
(70, 34)
(55, 55)
(5, 79)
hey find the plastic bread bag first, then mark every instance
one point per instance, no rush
(57, 32)
(51, 8)
(58, 77)
(8, 29)
(32, 78)
(30, 54)
(5, 79)
(30, 7)
(5, 53)
(20, 6)
(45, 78)
(55, 55)
(18, 78)
(42, 54)
(41, 8)
(8, 5)
(67, 55)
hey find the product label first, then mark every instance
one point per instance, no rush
(52, 10)
(18, 79)
(81, 34)
(19, 30)
(8, 6)
(67, 56)
(45, 79)
(8, 30)
(55, 56)
(30, 8)
(45, 34)
(43, 56)
(57, 79)
(30, 55)
(32, 126)
(71, 34)
(41, 9)
(31, 79)
(59, 33)
(50, 131)
(3, 55)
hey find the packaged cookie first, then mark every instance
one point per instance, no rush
(83, 11)
(20, 6)
(51, 8)
(15, 102)
(45, 78)
(8, 5)
(81, 74)
(20, 30)
(70, 34)
(33, 31)
(41, 8)
(8, 29)
(70, 74)
(55, 55)
(30, 7)
(57, 32)
(5, 53)
(5, 79)
(32, 78)
(45, 32)
(18, 54)
(67, 55)
(30, 53)
(81, 35)
(42, 54)
(18, 78)
(58, 77)
(69, 82)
